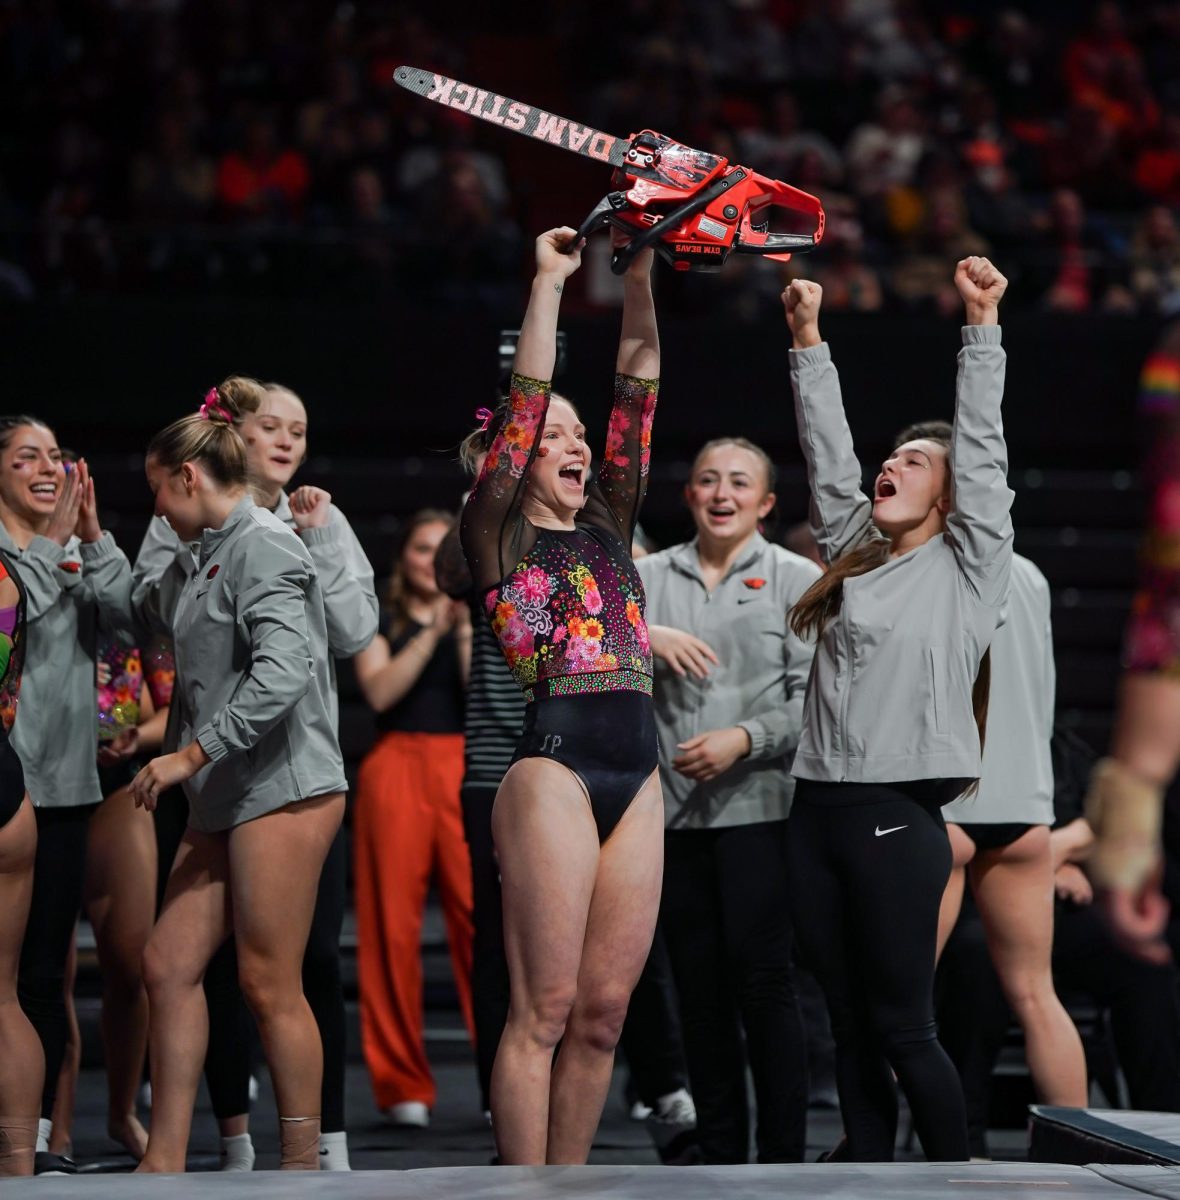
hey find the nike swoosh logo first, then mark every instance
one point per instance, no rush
(746, 599)
(882, 832)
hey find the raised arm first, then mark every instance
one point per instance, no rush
(487, 524)
(345, 574)
(980, 520)
(841, 514)
(622, 474)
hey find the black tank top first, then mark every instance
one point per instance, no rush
(435, 703)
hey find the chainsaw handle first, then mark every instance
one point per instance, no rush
(780, 243)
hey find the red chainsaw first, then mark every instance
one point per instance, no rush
(693, 207)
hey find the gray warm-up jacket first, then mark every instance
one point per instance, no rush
(71, 590)
(1016, 786)
(758, 685)
(345, 576)
(253, 683)
(890, 691)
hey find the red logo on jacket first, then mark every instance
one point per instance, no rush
(754, 584)
(70, 565)
(212, 570)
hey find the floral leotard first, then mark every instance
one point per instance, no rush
(566, 605)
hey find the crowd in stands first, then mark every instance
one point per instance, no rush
(169, 146)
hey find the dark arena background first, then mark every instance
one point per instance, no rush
(194, 188)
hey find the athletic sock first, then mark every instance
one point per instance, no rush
(334, 1152)
(237, 1153)
(44, 1132)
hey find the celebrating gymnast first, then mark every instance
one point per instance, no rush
(893, 718)
(578, 818)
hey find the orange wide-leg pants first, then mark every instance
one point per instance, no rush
(407, 827)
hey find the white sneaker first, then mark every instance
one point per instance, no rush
(639, 1111)
(411, 1114)
(676, 1108)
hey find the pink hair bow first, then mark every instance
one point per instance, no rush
(212, 407)
(484, 417)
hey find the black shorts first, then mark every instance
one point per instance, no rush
(12, 782)
(994, 837)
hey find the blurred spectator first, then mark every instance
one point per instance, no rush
(1157, 169)
(884, 152)
(924, 279)
(1155, 262)
(849, 283)
(260, 181)
(772, 147)
(1069, 273)
(743, 43)
(464, 248)
(173, 181)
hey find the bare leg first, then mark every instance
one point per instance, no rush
(275, 864)
(618, 938)
(1013, 887)
(22, 1065)
(962, 852)
(547, 845)
(194, 921)
(119, 898)
(71, 1063)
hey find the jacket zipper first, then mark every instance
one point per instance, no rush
(847, 694)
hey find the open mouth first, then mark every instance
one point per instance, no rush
(572, 474)
(721, 513)
(44, 491)
(885, 489)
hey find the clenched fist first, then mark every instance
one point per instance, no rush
(310, 507)
(981, 287)
(802, 300)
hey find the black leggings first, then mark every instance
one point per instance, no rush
(58, 871)
(868, 865)
(227, 1061)
(489, 968)
(726, 919)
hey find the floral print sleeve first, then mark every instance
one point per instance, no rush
(622, 474)
(493, 533)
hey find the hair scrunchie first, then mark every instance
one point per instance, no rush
(212, 407)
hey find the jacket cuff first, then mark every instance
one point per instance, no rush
(758, 739)
(981, 335)
(210, 741)
(101, 551)
(812, 356)
(47, 550)
(319, 535)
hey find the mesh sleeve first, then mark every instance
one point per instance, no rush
(618, 492)
(492, 530)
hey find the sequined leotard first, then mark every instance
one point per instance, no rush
(567, 606)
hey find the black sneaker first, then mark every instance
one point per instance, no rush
(45, 1163)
